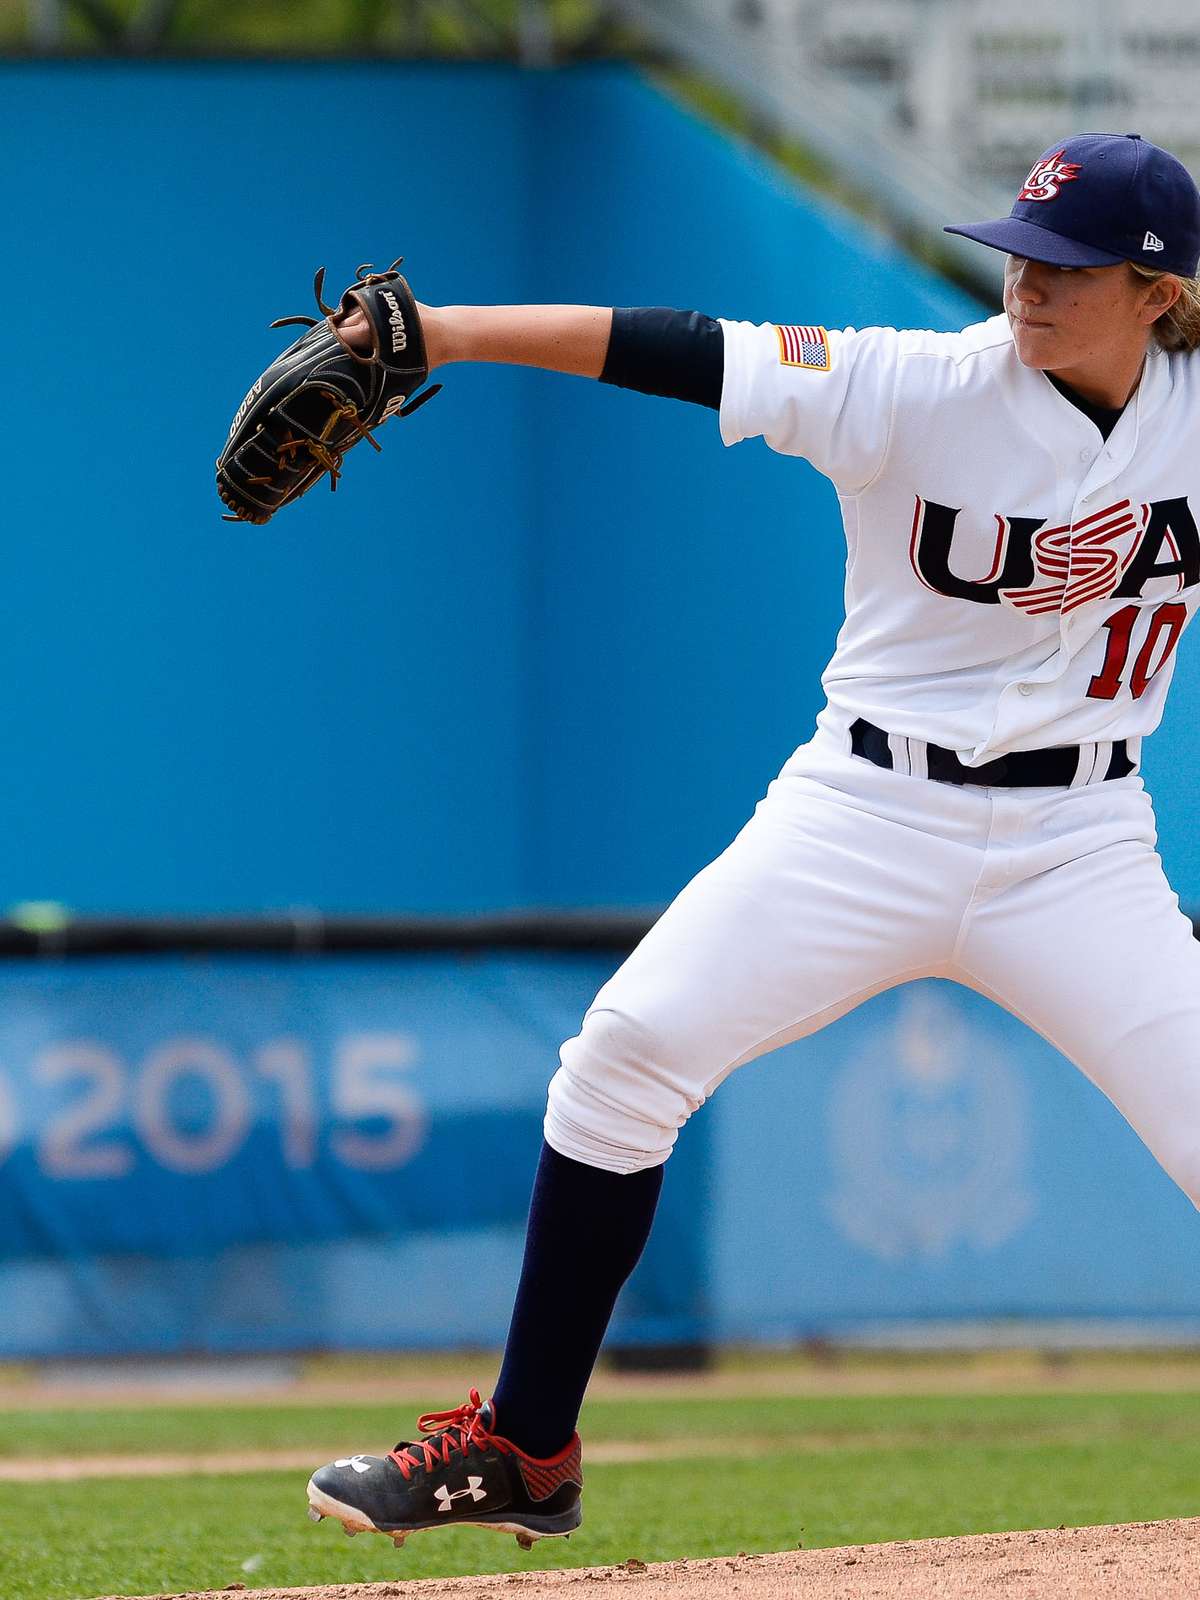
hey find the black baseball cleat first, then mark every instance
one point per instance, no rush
(462, 1472)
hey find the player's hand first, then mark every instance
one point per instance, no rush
(355, 328)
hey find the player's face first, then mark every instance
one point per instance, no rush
(1077, 319)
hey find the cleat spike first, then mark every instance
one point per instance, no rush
(351, 1533)
(525, 1540)
(314, 1515)
(398, 1540)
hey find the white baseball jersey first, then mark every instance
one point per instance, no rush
(1012, 581)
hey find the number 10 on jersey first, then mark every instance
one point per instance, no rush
(1166, 624)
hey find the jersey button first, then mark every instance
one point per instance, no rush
(1024, 688)
(1085, 455)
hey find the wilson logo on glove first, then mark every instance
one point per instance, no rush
(396, 322)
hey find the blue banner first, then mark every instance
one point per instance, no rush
(929, 1157)
(228, 1152)
(248, 1153)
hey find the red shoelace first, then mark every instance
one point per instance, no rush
(451, 1430)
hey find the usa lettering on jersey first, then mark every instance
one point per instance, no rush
(1082, 562)
(803, 347)
(1042, 570)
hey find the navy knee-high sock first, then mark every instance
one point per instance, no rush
(587, 1229)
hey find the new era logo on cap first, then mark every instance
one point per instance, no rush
(1152, 242)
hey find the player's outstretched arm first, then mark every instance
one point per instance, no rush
(676, 354)
(556, 338)
(366, 360)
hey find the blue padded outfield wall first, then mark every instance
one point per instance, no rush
(241, 1155)
(550, 646)
(548, 649)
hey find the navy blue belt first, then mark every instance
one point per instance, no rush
(1020, 769)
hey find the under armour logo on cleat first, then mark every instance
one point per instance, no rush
(359, 1463)
(1152, 242)
(445, 1499)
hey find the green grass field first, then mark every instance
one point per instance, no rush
(817, 1471)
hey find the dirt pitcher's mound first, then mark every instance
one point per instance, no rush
(1135, 1561)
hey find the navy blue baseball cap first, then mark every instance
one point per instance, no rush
(1099, 199)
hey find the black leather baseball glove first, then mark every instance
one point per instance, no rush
(321, 396)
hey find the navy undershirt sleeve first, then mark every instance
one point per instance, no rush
(677, 354)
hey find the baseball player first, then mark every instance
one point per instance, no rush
(1020, 504)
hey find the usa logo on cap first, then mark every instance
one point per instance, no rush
(1047, 176)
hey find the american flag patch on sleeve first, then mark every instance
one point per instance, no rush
(803, 347)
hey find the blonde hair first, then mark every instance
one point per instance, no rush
(1178, 328)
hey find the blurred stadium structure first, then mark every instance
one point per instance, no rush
(932, 107)
(221, 1125)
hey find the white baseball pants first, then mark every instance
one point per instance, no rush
(850, 879)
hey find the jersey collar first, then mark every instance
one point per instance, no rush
(1047, 414)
